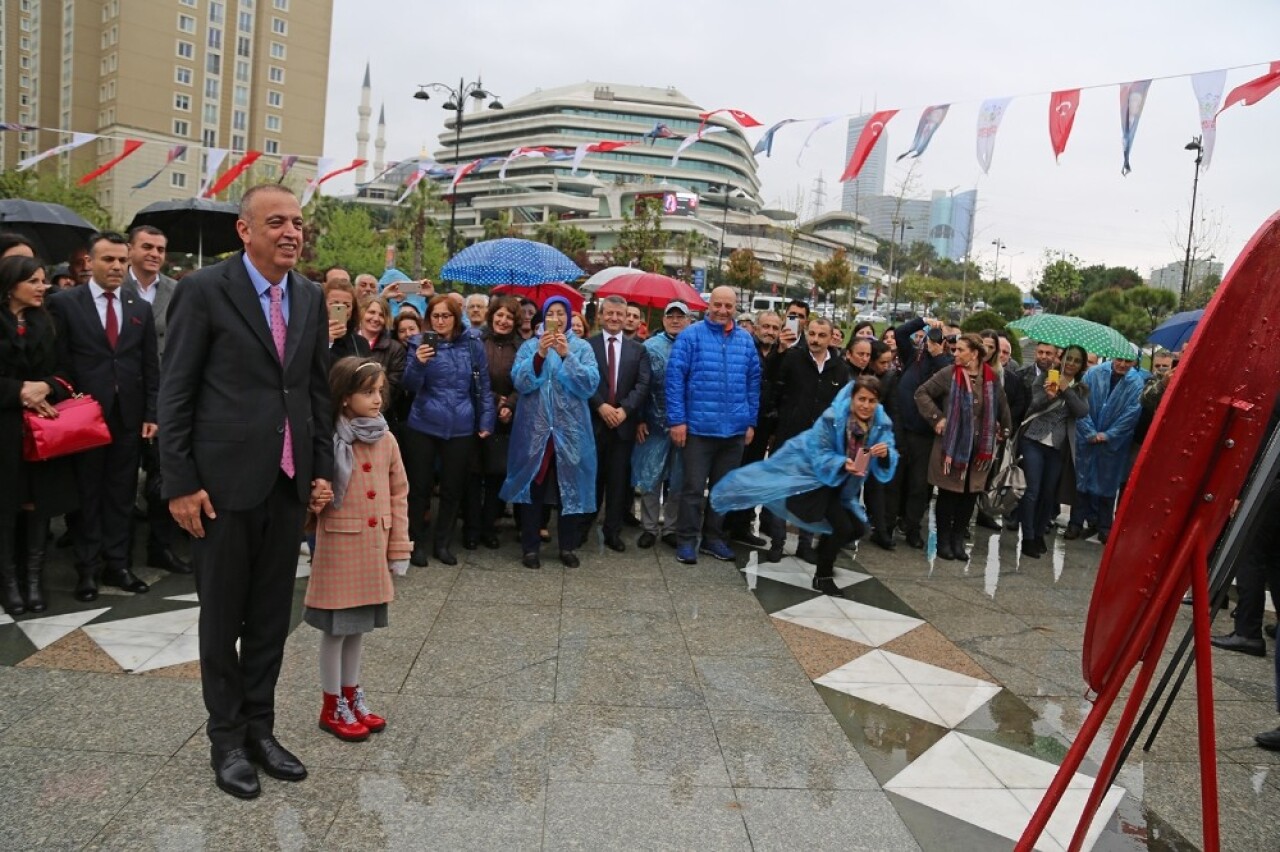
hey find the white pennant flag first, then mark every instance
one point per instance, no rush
(323, 166)
(989, 116)
(689, 140)
(1208, 87)
(213, 158)
(822, 122)
(77, 139)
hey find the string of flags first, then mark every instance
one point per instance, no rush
(1207, 88)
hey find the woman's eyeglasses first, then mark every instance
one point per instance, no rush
(441, 316)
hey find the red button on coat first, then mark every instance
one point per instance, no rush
(373, 522)
(367, 467)
(371, 494)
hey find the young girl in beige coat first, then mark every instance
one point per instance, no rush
(362, 537)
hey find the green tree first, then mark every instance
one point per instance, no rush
(569, 239)
(690, 244)
(743, 271)
(1154, 304)
(640, 240)
(36, 185)
(1060, 286)
(983, 320)
(503, 226)
(1006, 300)
(833, 274)
(1199, 295)
(350, 241)
(415, 227)
(1097, 277)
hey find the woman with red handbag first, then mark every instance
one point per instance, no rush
(34, 492)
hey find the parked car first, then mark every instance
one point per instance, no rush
(871, 316)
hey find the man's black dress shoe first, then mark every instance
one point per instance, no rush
(1269, 630)
(86, 589)
(885, 542)
(169, 561)
(234, 774)
(748, 538)
(125, 579)
(445, 556)
(669, 539)
(531, 560)
(1269, 740)
(614, 543)
(631, 520)
(569, 559)
(914, 539)
(276, 760)
(646, 540)
(1232, 642)
(491, 541)
(470, 543)
(988, 522)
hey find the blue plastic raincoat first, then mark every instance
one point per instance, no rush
(810, 460)
(655, 459)
(553, 405)
(1100, 468)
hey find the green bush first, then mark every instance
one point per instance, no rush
(983, 320)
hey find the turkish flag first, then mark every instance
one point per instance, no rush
(1256, 89)
(130, 145)
(866, 141)
(607, 145)
(743, 119)
(1062, 115)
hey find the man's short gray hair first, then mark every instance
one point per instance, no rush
(616, 300)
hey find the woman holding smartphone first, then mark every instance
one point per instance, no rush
(340, 302)
(815, 479)
(452, 406)
(1048, 447)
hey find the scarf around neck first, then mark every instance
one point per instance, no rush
(366, 430)
(958, 442)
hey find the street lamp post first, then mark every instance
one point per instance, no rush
(724, 229)
(995, 276)
(1196, 145)
(896, 233)
(457, 103)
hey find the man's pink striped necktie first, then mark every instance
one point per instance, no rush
(279, 331)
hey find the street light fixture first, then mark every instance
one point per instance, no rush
(896, 234)
(1196, 144)
(723, 190)
(456, 102)
(995, 276)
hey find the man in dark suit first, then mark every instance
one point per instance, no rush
(147, 247)
(245, 447)
(107, 344)
(615, 412)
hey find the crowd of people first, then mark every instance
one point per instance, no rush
(404, 420)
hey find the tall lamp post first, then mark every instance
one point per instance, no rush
(723, 189)
(897, 232)
(456, 102)
(1196, 145)
(995, 276)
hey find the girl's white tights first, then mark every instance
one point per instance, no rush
(340, 661)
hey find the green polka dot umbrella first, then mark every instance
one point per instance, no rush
(1101, 340)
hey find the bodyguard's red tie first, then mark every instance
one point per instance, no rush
(611, 364)
(113, 325)
(278, 333)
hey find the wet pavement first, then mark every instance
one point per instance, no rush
(630, 703)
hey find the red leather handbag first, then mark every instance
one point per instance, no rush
(79, 426)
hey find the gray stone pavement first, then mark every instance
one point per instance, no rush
(630, 703)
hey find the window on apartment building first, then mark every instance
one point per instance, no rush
(186, 24)
(275, 74)
(213, 64)
(242, 71)
(215, 38)
(25, 25)
(212, 89)
(279, 27)
(217, 12)
(275, 99)
(182, 75)
(186, 49)
(246, 22)
(281, 5)
(241, 97)
(191, 3)
(210, 114)
(182, 102)
(271, 146)
(24, 42)
(178, 180)
(181, 127)
(273, 123)
(239, 120)
(237, 142)
(113, 62)
(277, 50)
(24, 81)
(209, 137)
(24, 61)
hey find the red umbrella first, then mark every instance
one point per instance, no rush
(541, 292)
(652, 290)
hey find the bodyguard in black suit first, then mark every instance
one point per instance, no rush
(245, 446)
(615, 413)
(107, 344)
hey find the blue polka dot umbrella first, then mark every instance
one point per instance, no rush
(1102, 340)
(522, 263)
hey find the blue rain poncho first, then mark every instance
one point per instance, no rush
(1100, 468)
(553, 405)
(655, 459)
(813, 459)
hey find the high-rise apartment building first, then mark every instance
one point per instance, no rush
(231, 74)
(870, 181)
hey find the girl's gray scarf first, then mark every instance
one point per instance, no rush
(366, 430)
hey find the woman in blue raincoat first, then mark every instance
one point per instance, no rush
(553, 449)
(814, 480)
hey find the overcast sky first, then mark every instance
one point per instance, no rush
(809, 59)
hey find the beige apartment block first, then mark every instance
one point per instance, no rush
(234, 74)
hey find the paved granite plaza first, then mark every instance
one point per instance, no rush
(632, 703)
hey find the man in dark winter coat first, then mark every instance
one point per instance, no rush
(913, 434)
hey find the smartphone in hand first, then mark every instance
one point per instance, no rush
(338, 312)
(861, 459)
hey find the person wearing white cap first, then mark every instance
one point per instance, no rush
(655, 463)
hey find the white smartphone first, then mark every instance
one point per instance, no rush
(793, 323)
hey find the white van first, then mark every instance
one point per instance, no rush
(769, 303)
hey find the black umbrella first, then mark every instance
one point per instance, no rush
(54, 230)
(199, 226)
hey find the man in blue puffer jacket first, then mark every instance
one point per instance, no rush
(713, 397)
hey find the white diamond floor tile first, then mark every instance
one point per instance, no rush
(5, 619)
(150, 641)
(918, 689)
(191, 598)
(998, 789)
(43, 632)
(795, 572)
(850, 620)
